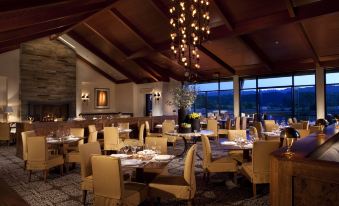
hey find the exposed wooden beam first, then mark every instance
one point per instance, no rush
(9, 48)
(123, 81)
(110, 4)
(217, 59)
(168, 72)
(151, 70)
(290, 8)
(255, 48)
(102, 55)
(95, 68)
(161, 8)
(20, 18)
(118, 49)
(223, 14)
(309, 44)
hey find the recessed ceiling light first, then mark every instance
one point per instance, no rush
(276, 42)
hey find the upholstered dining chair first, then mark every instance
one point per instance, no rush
(77, 132)
(232, 136)
(93, 133)
(210, 165)
(86, 152)
(169, 126)
(139, 142)
(38, 157)
(212, 124)
(109, 187)
(289, 121)
(315, 128)
(295, 120)
(254, 132)
(305, 124)
(111, 139)
(297, 125)
(269, 125)
(157, 142)
(243, 123)
(73, 156)
(180, 187)
(5, 132)
(258, 171)
(148, 131)
(24, 136)
(259, 127)
(303, 132)
(237, 123)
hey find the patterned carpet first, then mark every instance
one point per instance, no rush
(66, 191)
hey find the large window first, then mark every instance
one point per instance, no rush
(214, 98)
(332, 92)
(279, 97)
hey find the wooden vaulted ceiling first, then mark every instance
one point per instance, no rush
(248, 37)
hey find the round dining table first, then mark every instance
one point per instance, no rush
(189, 136)
(246, 147)
(63, 141)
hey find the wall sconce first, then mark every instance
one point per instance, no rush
(8, 110)
(85, 97)
(157, 96)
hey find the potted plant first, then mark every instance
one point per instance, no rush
(195, 121)
(185, 128)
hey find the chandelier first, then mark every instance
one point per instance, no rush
(189, 29)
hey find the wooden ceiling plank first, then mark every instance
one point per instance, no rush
(30, 16)
(255, 48)
(102, 55)
(95, 68)
(309, 44)
(120, 50)
(145, 66)
(217, 59)
(223, 14)
(167, 72)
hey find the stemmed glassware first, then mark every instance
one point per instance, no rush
(125, 149)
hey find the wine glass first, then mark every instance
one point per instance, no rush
(125, 149)
(134, 149)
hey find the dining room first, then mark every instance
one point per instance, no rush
(169, 102)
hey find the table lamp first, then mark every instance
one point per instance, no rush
(290, 135)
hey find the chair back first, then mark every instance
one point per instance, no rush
(207, 152)
(303, 132)
(5, 131)
(258, 126)
(305, 124)
(269, 125)
(37, 149)
(297, 125)
(237, 123)
(86, 152)
(189, 173)
(24, 136)
(261, 155)
(123, 125)
(233, 134)
(157, 141)
(147, 128)
(295, 120)
(228, 123)
(315, 128)
(92, 128)
(168, 126)
(111, 136)
(107, 177)
(78, 132)
(212, 124)
(92, 137)
(289, 121)
(243, 123)
(141, 133)
(253, 131)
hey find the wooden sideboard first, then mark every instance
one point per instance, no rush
(305, 179)
(44, 128)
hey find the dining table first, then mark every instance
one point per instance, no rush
(273, 135)
(62, 143)
(245, 146)
(193, 136)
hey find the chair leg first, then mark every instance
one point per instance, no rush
(254, 187)
(62, 170)
(105, 152)
(29, 175)
(84, 194)
(67, 167)
(25, 164)
(45, 175)
(235, 180)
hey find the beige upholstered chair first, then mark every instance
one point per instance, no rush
(24, 136)
(86, 152)
(124, 125)
(237, 123)
(212, 124)
(303, 132)
(258, 171)
(314, 129)
(295, 120)
(78, 132)
(73, 156)
(289, 121)
(259, 127)
(232, 135)
(243, 123)
(93, 137)
(157, 141)
(269, 125)
(92, 128)
(253, 131)
(228, 124)
(305, 124)
(38, 157)
(109, 187)
(297, 125)
(138, 142)
(111, 139)
(209, 165)
(181, 187)
(148, 131)
(169, 126)
(5, 134)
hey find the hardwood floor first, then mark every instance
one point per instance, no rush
(9, 197)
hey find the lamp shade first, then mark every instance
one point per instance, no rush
(8, 109)
(289, 133)
(322, 122)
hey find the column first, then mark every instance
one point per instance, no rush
(320, 91)
(236, 92)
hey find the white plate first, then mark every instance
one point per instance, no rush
(130, 162)
(163, 157)
(146, 152)
(248, 146)
(228, 143)
(121, 156)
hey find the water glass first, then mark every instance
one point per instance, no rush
(134, 149)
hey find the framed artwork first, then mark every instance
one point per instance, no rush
(101, 98)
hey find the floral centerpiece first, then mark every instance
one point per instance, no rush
(195, 121)
(185, 128)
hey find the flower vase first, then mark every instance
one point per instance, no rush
(195, 125)
(181, 115)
